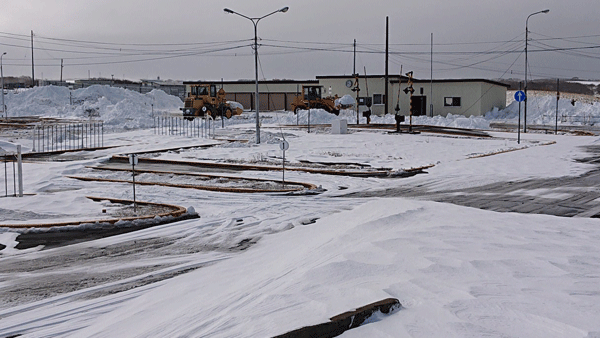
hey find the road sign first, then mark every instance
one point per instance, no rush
(284, 145)
(520, 96)
(133, 159)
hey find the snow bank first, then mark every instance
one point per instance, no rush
(119, 108)
(542, 110)
(123, 109)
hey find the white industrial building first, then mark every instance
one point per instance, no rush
(432, 97)
(438, 97)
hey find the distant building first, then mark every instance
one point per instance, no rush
(175, 88)
(274, 94)
(11, 82)
(438, 97)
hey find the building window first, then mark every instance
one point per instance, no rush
(365, 101)
(378, 99)
(452, 102)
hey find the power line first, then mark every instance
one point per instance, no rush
(142, 59)
(84, 52)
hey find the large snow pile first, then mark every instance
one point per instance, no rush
(320, 116)
(119, 108)
(541, 111)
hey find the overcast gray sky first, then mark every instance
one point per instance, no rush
(197, 40)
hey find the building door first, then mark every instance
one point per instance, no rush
(419, 105)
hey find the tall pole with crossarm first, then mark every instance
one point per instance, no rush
(2, 74)
(526, 41)
(255, 23)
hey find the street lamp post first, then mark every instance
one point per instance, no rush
(2, 74)
(255, 23)
(526, 41)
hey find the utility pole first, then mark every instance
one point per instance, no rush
(61, 69)
(387, 54)
(32, 67)
(354, 68)
(431, 81)
(2, 74)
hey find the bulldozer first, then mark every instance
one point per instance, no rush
(205, 100)
(310, 97)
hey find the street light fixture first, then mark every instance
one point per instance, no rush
(255, 23)
(2, 74)
(526, 41)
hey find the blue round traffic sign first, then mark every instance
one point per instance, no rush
(520, 96)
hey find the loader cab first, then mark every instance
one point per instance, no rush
(312, 92)
(203, 90)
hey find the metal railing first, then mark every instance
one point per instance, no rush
(7, 158)
(589, 120)
(179, 126)
(64, 137)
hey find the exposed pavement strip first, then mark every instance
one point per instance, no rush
(562, 196)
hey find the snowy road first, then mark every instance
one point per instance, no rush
(263, 265)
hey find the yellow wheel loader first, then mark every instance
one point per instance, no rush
(205, 100)
(311, 98)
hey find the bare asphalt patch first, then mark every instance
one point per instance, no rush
(563, 196)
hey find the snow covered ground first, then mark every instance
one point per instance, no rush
(258, 265)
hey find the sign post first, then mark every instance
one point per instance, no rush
(284, 145)
(557, 98)
(133, 160)
(519, 97)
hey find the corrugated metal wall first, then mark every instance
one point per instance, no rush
(268, 101)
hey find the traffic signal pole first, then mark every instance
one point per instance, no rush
(410, 90)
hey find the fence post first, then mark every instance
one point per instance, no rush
(20, 168)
